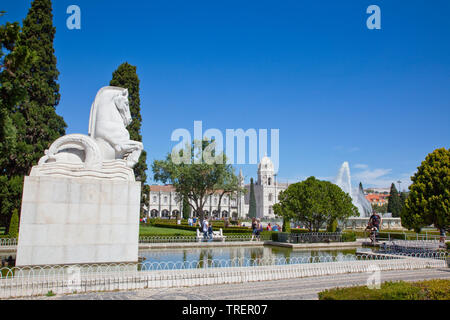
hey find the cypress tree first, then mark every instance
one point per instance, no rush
(13, 231)
(29, 94)
(394, 202)
(186, 208)
(35, 118)
(125, 76)
(252, 202)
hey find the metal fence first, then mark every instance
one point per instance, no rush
(8, 242)
(411, 246)
(25, 282)
(174, 239)
(315, 237)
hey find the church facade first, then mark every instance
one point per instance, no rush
(165, 203)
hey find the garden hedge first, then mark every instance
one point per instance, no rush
(215, 228)
(422, 290)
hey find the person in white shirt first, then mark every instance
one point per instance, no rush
(205, 228)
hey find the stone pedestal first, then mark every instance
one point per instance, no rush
(78, 220)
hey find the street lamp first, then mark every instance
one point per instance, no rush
(399, 186)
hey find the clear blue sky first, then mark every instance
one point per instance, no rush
(337, 91)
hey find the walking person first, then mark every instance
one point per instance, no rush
(253, 228)
(205, 228)
(259, 228)
(210, 231)
(374, 225)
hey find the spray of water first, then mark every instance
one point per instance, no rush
(343, 180)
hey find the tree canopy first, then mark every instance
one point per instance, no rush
(125, 76)
(428, 202)
(394, 202)
(29, 94)
(194, 178)
(314, 203)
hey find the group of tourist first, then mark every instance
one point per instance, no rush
(275, 227)
(207, 229)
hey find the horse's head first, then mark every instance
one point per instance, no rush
(122, 104)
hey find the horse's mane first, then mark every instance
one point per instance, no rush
(93, 114)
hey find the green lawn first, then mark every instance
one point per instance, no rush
(157, 231)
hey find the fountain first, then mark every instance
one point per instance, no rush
(343, 180)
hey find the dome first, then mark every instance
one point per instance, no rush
(265, 164)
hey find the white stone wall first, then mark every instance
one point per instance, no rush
(73, 221)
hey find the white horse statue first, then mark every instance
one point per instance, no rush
(110, 115)
(106, 150)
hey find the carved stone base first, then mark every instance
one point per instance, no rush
(113, 170)
(75, 221)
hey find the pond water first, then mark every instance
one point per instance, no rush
(200, 257)
(229, 253)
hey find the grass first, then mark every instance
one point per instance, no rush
(422, 290)
(158, 231)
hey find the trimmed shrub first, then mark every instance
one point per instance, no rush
(300, 231)
(422, 290)
(280, 236)
(286, 225)
(216, 227)
(348, 236)
(14, 225)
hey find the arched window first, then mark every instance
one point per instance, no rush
(270, 197)
(154, 213)
(270, 181)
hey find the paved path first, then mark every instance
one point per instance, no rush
(293, 289)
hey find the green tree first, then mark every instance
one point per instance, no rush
(35, 117)
(403, 197)
(286, 224)
(230, 185)
(379, 208)
(428, 202)
(186, 208)
(252, 201)
(126, 77)
(314, 203)
(14, 225)
(394, 202)
(196, 172)
(29, 94)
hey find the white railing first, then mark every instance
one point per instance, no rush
(8, 242)
(174, 239)
(25, 282)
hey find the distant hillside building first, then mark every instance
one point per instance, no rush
(377, 198)
(164, 201)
